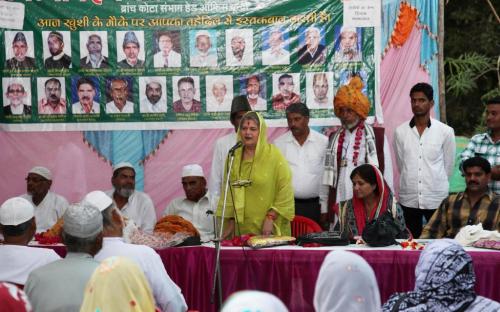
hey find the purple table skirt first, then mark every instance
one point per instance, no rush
(291, 274)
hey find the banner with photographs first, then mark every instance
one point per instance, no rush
(110, 65)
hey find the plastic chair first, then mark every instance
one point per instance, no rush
(302, 225)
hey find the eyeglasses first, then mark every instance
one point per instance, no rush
(241, 183)
(15, 91)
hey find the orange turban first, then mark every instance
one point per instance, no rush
(350, 96)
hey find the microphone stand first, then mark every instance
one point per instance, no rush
(217, 280)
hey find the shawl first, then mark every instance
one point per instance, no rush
(271, 188)
(331, 170)
(444, 282)
(118, 284)
(346, 282)
(253, 300)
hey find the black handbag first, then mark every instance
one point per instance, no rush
(381, 231)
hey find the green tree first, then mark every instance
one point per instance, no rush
(472, 61)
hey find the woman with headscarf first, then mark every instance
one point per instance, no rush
(253, 301)
(260, 199)
(372, 197)
(346, 282)
(118, 284)
(444, 282)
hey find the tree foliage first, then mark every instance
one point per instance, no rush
(472, 60)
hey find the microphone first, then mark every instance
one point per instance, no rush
(235, 147)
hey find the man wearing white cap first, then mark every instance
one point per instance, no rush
(59, 286)
(167, 294)
(203, 55)
(348, 47)
(133, 204)
(49, 206)
(17, 224)
(198, 206)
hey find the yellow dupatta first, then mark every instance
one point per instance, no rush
(271, 188)
(118, 284)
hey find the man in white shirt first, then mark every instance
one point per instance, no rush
(305, 151)
(153, 102)
(49, 207)
(133, 204)
(86, 92)
(17, 225)
(198, 206)
(355, 143)
(275, 54)
(60, 285)
(257, 103)
(166, 57)
(204, 56)
(238, 52)
(119, 94)
(425, 153)
(239, 107)
(167, 294)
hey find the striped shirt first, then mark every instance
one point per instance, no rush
(482, 145)
(455, 212)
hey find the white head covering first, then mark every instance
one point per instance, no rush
(123, 164)
(15, 211)
(346, 282)
(193, 170)
(348, 29)
(98, 199)
(253, 301)
(82, 220)
(202, 33)
(41, 171)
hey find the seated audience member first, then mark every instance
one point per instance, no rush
(133, 204)
(166, 293)
(253, 300)
(13, 299)
(198, 206)
(346, 282)
(239, 107)
(476, 205)
(17, 224)
(59, 286)
(371, 194)
(261, 185)
(118, 284)
(444, 281)
(49, 207)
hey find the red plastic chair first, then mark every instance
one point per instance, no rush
(302, 225)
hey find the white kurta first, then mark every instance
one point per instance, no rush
(200, 214)
(167, 294)
(17, 261)
(222, 147)
(306, 163)
(344, 185)
(48, 211)
(139, 208)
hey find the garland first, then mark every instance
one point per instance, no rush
(357, 143)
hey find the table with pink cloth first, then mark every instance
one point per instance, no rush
(290, 272)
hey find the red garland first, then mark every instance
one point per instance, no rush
(357, 143)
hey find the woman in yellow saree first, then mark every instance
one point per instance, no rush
(260, 198)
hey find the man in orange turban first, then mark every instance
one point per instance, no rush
(353, 144)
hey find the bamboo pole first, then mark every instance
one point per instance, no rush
(441, 78)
